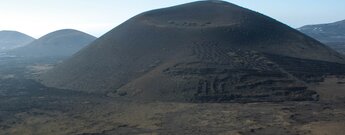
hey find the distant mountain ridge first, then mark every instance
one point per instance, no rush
(61, 43)
(13, 39)
(331, 34)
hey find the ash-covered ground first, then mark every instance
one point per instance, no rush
(27, 107)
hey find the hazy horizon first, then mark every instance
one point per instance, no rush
(37, 17)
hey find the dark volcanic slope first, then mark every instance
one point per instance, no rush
(59, 43)
(13, 39)
(332, 34)
(201, 51)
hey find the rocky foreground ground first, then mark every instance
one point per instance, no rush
(27, 107)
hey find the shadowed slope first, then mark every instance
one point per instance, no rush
(61, 43)
(201, 51)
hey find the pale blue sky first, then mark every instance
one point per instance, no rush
(38, 17)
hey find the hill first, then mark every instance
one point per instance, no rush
(206, 51)
(331, 34)
(61, 43)
(13, 39)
